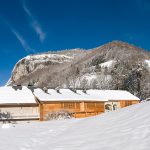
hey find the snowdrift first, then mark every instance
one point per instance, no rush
(125, 129)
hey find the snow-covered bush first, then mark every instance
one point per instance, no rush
(5, 115)
(59, 115)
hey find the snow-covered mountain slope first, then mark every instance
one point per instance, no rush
(107, 64)
(116, 62)
(45, 57)
(32, 68)
(147, 62)
(125, 129)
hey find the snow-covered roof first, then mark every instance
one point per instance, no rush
(13, 95)
(114, 94)
(64, 95)
(79, 95)
(18, 95)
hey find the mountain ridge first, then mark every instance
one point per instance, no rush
(70, 68)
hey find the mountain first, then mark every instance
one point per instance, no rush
(115, 65)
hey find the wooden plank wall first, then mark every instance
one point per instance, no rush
(79, 109)
(125, 103)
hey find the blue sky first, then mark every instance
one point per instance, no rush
(33, 26)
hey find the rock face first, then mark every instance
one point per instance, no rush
(32, 69)
(33, 63)
(94, 68)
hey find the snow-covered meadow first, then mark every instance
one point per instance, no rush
(125, 129)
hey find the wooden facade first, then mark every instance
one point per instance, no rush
(125, 103)
(79, 109)
(114, 105)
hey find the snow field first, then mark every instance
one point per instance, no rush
(125, 129)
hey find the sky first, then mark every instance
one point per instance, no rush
(35, 26)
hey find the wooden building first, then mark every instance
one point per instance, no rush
(82, 103)
(26, 103)
(18, 103)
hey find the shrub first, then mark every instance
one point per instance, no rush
(59, 115)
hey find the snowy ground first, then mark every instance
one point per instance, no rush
(125, 129)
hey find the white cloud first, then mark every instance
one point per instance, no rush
(22, 41)
(34, 23)
(38, 30)
(19, 37)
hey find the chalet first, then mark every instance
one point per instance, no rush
(18, 103)
(82, 103)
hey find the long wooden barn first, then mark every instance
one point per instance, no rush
(82, 103)
(26, 103)
(18, 103)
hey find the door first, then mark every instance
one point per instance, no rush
(111, 106)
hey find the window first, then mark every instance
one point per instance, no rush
(108, 107)
(114, 107)
(69, 105)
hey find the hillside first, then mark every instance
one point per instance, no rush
(115, 65)
(125, 129)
